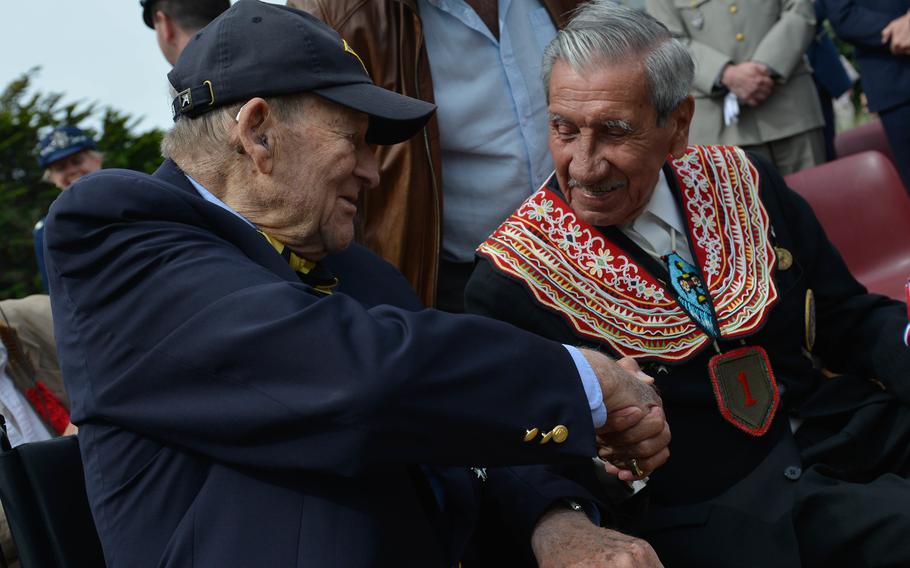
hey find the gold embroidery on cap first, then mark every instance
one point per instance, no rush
(350, 50)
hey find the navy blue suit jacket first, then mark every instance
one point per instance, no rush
(231, 416)
(885, 77)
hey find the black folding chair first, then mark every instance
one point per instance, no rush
(42, 487)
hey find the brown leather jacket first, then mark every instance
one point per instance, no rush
(402, 219)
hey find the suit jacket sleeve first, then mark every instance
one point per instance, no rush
(173, 332)
(782, 48)
(858, 24)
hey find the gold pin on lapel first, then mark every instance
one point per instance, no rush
(784, 258)
(810, 320)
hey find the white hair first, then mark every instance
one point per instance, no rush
(603, 31)
(204, 145)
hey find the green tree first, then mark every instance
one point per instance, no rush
(26, 115)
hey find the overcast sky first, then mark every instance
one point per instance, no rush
(91, 50)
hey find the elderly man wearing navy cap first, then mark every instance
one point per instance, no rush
(254, 390)
(66, 154)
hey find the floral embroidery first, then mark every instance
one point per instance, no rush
(568, 238)
(573, 269)
(540, 210)
(600, 262)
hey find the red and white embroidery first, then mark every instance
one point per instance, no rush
(573, 269)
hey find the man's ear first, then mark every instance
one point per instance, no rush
(255, 127)
(164, 26)
(680, 119)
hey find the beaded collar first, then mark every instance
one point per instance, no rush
(605, 294)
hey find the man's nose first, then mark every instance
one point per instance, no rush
(588, 164)
(368, 167)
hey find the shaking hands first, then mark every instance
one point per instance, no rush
(634, 441)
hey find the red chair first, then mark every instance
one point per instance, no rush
(865, 210)
(869, 136)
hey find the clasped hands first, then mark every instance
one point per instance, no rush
(635, 439)
(636, 429)
(750, 81)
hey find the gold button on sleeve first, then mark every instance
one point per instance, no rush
(734, 9)
(546, 437)
(560, 434)
(740, 37)
(531, 434)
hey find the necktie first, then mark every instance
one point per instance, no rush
(658, 238)
(309, 272)
(656, 233)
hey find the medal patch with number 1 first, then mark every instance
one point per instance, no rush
(745, 388)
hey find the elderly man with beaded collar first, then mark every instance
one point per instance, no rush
(699, 263)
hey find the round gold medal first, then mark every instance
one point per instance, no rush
(784, 258)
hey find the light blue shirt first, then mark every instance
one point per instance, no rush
(588, 377)
(210, 197)
(492, 114)
(592, 386)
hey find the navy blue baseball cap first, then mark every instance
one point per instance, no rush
(257, 49)
(63, 141)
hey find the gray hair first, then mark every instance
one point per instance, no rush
(602, 31)
(204, 146)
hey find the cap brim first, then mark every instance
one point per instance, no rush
(63, 153)
(394, 118)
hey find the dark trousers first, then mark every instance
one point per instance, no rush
(897, 127)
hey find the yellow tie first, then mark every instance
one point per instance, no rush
(308, 271)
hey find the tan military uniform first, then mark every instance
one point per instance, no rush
(30, 319)
(786, 126)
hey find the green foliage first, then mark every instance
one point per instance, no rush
(26, 115)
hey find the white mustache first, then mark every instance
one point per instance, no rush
(597, 188)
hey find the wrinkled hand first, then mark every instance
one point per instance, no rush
(751, 82)
(897, 34)
(630, 433)
(630, 365)
(564, 538)
(621, 387)
(636, 425)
